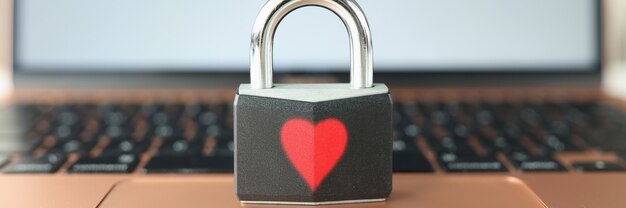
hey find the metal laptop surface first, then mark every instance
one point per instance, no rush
(439, 187)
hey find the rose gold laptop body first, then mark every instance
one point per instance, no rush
(439, 189)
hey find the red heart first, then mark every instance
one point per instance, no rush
(314, 150)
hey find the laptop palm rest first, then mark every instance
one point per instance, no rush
(409, 191)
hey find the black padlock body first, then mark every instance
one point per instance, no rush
(264, 172)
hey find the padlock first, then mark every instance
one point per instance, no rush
(312, 144)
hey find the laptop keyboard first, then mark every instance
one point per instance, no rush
(428, 137)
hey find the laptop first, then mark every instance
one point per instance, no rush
(497, 103)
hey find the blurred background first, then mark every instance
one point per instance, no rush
(146, 36)
(213, 36)
(615, 78)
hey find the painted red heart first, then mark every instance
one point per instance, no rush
(314, 150)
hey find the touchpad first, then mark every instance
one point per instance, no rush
(175, 191)
(408, 191)
(463, 191)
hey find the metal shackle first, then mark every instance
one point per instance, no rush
(261, 47)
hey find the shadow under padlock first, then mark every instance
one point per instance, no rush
(312, 144)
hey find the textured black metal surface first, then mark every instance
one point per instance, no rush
(264, 173)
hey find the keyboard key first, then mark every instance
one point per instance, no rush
(407, 158)
(598, 166)
(225, 148)
(117, 132)
(168, 131)
(181, 147)
(72, 146)
(189, 164)
(45, 164)
(410, 162)
(124, 163)
(555, 143)
(527, 163)
(118, 147)
(454, 163)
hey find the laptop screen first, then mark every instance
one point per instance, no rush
(214, 36)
